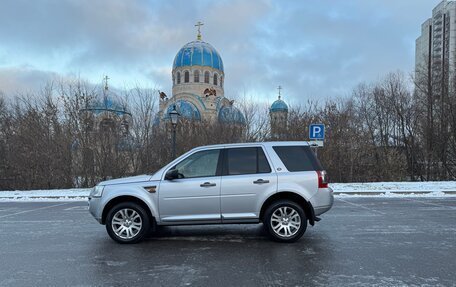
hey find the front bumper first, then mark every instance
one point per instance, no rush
(322, 201)
(95, 208)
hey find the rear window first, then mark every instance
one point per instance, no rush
(298, 158)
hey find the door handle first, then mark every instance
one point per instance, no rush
(260, 181)
(207, 184)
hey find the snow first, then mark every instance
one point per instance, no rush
(396, 189)
(73, 194)
(379, 189)
(429, 186)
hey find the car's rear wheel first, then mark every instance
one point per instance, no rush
(285, 221)
(127, 222)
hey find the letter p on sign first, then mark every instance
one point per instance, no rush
(316, 131)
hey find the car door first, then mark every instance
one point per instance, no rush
(247, 180)
(195, 195)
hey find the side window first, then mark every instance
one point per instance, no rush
(298, 158)
(249, 160)
(199, 164)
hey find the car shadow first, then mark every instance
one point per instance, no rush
(228, 232)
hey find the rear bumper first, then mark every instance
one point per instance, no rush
(322, 201)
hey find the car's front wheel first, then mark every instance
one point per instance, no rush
(127, 222)
(285, 221)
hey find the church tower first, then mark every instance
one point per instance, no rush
(279, 117)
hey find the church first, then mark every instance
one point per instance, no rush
(198, 94)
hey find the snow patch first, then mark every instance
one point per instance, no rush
(425, 186)
(73, 194)
(396, 189)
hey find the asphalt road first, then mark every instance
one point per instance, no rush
(360, 242)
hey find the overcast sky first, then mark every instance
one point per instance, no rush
(314, 49)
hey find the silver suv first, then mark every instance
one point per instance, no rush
(280, 184)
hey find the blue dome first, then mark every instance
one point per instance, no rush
(198, 53)
(107, 105)
(185, 109)
(232, 115)
(279, 106)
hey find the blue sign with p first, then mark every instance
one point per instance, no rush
(317, 131)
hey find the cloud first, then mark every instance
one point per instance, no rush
(314, 49)
(323, 50)
(23, 80)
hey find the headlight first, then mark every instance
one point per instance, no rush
(97, 191)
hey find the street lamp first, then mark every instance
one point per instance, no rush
(174, 115)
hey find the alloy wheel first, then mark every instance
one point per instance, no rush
(285, 221)
(126, 223)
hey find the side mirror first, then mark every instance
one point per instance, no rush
(172, 174)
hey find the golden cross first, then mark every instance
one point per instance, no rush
(199, 24)
(279, 88)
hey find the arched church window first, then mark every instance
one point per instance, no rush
(215, 79)
(206, 77)
(178, 77)
(186, 77)
(196, 76)
(221, 81)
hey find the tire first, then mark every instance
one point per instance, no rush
(285, 221)
(127, 222)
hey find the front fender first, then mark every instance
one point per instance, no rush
(116, 191)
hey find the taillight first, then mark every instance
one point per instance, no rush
(322, 179)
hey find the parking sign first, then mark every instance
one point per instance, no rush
(317, 131)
